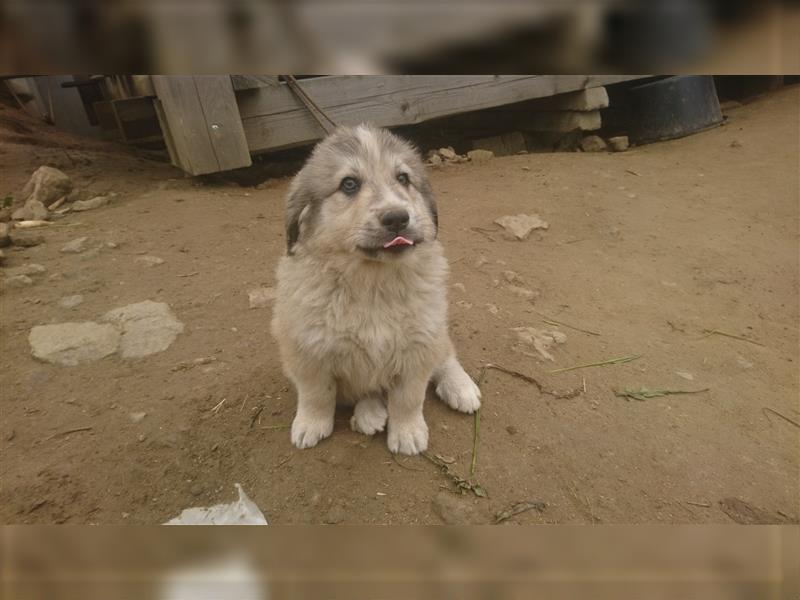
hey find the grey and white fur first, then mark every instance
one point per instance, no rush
(361, 310)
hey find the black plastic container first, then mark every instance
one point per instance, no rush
(673, 107)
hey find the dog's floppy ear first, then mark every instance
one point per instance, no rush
(430, 201)
(299, 199)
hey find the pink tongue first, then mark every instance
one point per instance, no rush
(398, 241)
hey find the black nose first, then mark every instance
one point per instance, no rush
(395, 220)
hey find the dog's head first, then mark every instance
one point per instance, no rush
(363, 190)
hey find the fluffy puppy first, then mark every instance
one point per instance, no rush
(361, 310)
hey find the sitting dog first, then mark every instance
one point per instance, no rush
(361, 310)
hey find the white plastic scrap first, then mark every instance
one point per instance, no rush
(242, 512)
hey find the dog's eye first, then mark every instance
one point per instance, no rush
(403, 178)
(350, 185)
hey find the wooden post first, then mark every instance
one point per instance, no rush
(200, 121)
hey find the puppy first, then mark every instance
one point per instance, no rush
(361, 310)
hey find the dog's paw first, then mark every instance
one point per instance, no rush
(369, 416)
(458, 391)
(409, 437)
(308, 431)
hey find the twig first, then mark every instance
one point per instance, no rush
(644, 394)
(632, 172)
(539, 386)
(474, 462)
(463, 485)
(244, 401)
(518, 508)
(612, 361)
(284, 461)
(190, 274)
(483, 233)
(218, 406)
(784, 417)
(551, 321)
(700, 504)
(400, 464)
(276, 427)
(710, 332)
(67, 432)
(675, 327)
(255, 415)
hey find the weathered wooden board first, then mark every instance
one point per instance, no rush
(274, 118)
(200, 120)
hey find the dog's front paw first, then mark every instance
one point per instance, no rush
(308, 431)
(369, 416)
(408, 437)
(458, 391)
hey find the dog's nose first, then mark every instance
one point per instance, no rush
(395, 220)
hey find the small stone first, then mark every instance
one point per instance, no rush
(261, 297)
(141, 437)
(519, 227)
(137, 416)
(150, 261)
(112, 245)
(47, 185)
(743, 362)
(736, 144)
(619, 143)
(17, 281)
(29, 269)
(335, 515)
(525, 168)
(5, 235)
(460, 287)
(464, 304)
(26, 240)
(32, 210)
(685, 375)
(70, 301)
(453, 509)
(480, 156)
(512, 430)
(521, 292)
(593, 143)
(492, 308)
(434, 160)
(75, 246)
(512, 277)
(196, 489)
(92, 203)
(447, 153)
(69, 344)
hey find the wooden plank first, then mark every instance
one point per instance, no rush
(184, 124)
(583, 100)
(223, 120)
(170, 143)
(274, 118)
(252, 82)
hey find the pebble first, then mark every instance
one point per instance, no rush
(453, 509)
(137, 416)
(75, 246)
(18, 281)
(26, 241)
(685, 375)
(460, 287)
(619, 143)
(593, 143)
(150, 261)
(334, 516)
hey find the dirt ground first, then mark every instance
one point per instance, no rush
(648, 248)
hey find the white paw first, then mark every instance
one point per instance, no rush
(307, 431)
(369, 416)
(409, 437)
(458, 391)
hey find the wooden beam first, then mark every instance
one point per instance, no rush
(274, 118)
(200, 121)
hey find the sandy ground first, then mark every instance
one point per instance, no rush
(648, 248)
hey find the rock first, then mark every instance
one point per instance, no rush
(70, 301)
(743, 362)
(75, 246)
(17, 281)
(434, 160)
(150, 261)
(29, 269)
(520, 226)
(69, 344)
(32, 210)
(147, 327)
(522, 292)
(335, 515)
(511, 430)
(480, 156)
(196, 490)
(5, 235)
(25, 240)
(137, 417)
(685, 375)
(619, 143)
(593, 143)
(92, 203)
(512, 277)
(540, 339)
(492, 308)
(262, 297)
(46, 185)
(447, 153)
(77, 195)
(460, 287)
(453, 509)
(464, 304)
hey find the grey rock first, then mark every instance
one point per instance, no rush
(519, 227)
(29, 269)
(92, 203)
(17, 281)
(619, 143)
(454, 510)
(137, 417)
(5, 235)
(147, 327)
(150, 261)
(480, 156)
(70, 301)
(335, 515)
(32, 210)
(447, 153)
(593, 143)
(75, 246)
(25, 240)
(70, 344)
(47, 185)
